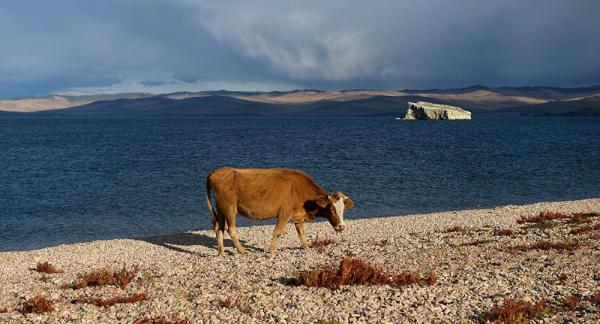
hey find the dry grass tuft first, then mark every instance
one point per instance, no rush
(160, 320)
(547, 245)
(504, 232)
(107, 302)
(105, 277)
(46, 267)
(515, 311)
(352, 271)
(572, 302)
(37, 304)
(541, 217)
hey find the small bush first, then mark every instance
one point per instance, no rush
(107, 302)
(46, 267)
(515, 311)
(547, 245)
(37, 304)
(353, 271)
(541, 217)
(105, 277)
(504, 232)
(160, 320)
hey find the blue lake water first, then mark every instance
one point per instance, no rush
(74, 180)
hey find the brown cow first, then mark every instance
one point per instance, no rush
(270, 193)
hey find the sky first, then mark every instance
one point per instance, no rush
(159, 46)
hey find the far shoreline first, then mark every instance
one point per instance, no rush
(254, 223)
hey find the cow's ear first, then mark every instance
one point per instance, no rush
(348, 203)
(322, 201)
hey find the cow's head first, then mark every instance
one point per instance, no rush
(332, 207)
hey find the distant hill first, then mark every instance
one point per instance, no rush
(587, 107)
(505, 101)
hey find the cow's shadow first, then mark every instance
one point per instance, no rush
(177, 242)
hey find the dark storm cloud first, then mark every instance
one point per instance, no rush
(102, 45)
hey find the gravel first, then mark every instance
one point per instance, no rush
(185, 279)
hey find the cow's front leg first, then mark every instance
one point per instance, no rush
(300, 230)
(281, 222)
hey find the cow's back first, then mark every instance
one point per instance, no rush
(263, 193)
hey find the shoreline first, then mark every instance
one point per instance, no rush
(183, 277)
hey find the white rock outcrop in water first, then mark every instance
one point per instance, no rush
(430, 111)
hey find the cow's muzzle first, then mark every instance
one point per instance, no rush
(340, 227)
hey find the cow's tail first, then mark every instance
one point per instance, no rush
(211, 210)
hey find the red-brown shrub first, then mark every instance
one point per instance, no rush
(504, 232)
(595, 298)
(37, 304)
(571, 302)
(46, 267)
(541, 217)
(515, 311)
(353, 271)
(382, 243)
(105, 277)
(318, 243)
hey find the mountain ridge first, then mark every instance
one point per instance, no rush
(363, 102)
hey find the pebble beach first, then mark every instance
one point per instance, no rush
(481, 257)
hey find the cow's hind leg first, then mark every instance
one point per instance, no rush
(219, 225)
(230, 217)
